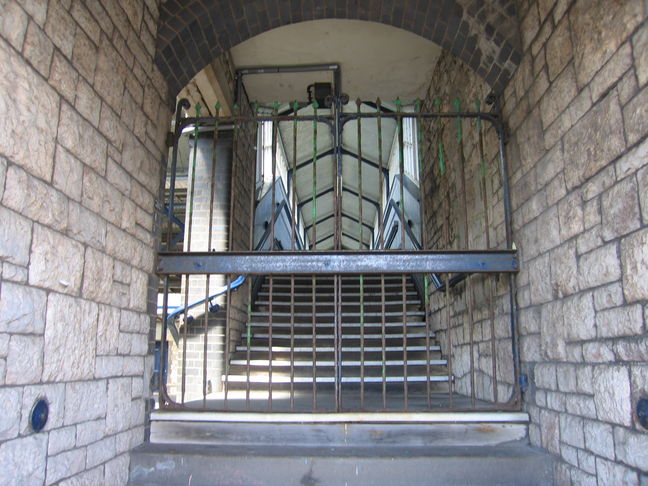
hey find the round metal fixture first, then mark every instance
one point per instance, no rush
(642, 412)
(39, 415)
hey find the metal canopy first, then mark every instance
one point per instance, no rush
(320, 150)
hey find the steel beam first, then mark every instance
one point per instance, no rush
(346, 262)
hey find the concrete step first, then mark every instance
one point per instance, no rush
(339, 449)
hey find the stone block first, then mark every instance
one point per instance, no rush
(87, 102)
(564, 270)
(61, 440)
(35, 199)
(70, 338)
(107, 330)
(119, 404)
(635, 350)
(111, 126)
(570, 215)
(598, 352)
(13, 24)
(581, 405)
(22, 461)
(584, 379)
(138, 290)
(15, 237)
(85, 20)
(608, 296)
(549, 235)
(559, 49)
(68, 174)
(640, 52)
(599, 438)
(32, 103)
(550, 429)
(571, 430)
(10, 418)
(631, 448)
(63, 77)
(531, 140)
(589, 240)
(60, 28)
(598, 31)
(634, 255)
(620, 321)
(566, 375)
(97, 280)
(612, 394)
(559, 95)
(38, 49)
(101, 198)
(89, 432)
(56, 261)
(608, 472)
(594, 141)
(599, 266)
(613, 70)
(620, 208)
(632, 161)
(540, 279)
(109, 75)
(65, 465)
(118, 177)
(552, 331)
(117, 469)
(86, 227)
(85, 401)
(22, 309)
(82, 139)
(84, 55)
(100, 452)
(642, 177)
(55, 396)
(25, 360)
(635, 117)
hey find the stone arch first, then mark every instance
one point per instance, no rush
(483, 34)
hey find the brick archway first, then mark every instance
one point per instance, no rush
(483, 34)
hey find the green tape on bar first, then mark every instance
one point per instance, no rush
(457, 103)
(478, 109)
(442, 167)
(198, 108)
(426, 282)
(249, 334)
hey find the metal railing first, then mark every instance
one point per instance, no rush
(330, 324)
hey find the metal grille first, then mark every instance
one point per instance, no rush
(368, 267)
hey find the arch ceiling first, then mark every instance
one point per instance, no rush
(482, 33)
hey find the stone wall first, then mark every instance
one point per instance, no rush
(577, 108)
(81, 143)
(464, 210)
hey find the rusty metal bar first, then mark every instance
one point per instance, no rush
(212, 178)
(343, 263)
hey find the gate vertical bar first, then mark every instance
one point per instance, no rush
(314, 247)
(252, 202)
(488, 278)
(210, 223)
(424, 243)
(401, 169)
(189, 226)
(182, 104)
(293, 238)
(230, 247)
(466, 245)
(381, 209)
(360, 244)
(337, 177)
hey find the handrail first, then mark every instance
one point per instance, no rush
(240, 280)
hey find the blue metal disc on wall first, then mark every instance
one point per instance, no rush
(39, 415)
(642, 412)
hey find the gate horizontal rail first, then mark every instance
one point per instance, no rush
(332, 263)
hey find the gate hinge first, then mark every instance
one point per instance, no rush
(170, 139)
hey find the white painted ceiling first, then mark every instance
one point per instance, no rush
(377, 60)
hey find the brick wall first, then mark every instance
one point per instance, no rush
(81, 137)
(579, 166)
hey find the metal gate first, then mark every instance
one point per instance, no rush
(325, 256)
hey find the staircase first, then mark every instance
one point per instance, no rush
(301, 356)
(378, 435)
